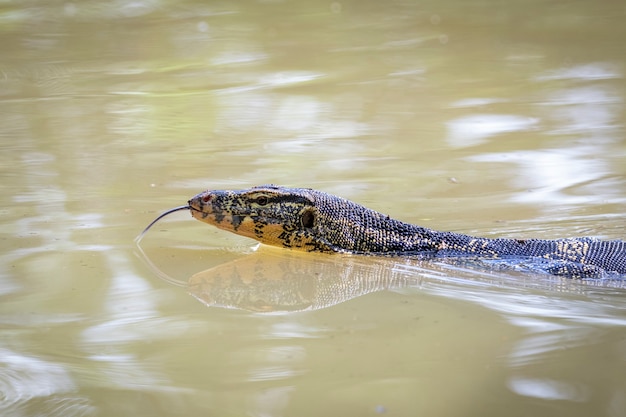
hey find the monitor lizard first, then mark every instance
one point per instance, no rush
(315, 221)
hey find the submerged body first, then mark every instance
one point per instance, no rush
(311, 220)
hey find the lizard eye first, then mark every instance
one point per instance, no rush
(261, 201)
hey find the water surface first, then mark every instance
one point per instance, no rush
(494, 119)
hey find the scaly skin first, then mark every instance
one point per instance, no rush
(311, 220)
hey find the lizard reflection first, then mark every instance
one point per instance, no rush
(269, 280)
(272, 281)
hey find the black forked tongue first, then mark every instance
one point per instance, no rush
(170, 211)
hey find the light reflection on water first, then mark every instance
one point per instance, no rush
(537, 305)
(280, 362)
(549, 389)
(549, 174)
(589, 72)
(478, 128)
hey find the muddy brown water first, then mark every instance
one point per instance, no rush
(489, 118)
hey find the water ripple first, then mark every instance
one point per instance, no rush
(26, 378)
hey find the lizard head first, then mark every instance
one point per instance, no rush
(277, 216)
